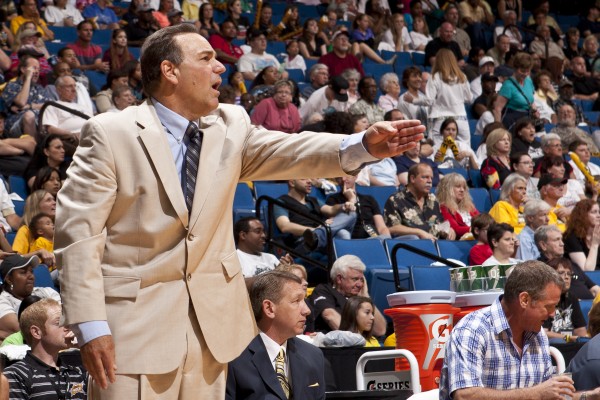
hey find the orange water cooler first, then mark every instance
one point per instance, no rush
(469, 302)
(422, 323)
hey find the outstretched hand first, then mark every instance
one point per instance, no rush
(391, 138)
(98, 356)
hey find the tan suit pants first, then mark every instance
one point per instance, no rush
(199, 376)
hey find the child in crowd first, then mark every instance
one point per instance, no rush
(293, 59)
(358, 316)
(42, 230)
(482, 250)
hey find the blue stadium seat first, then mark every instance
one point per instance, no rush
(19, 207)
(481, 199)
(42, 277)
(98, 79)
(377, 70)
(592, 116)
(476, 179)
(66, 34)
(308, 11)
(456, 249)
(476, 142)
(272, 189)
(586, 105)
(595, 160)
(102, 37)
(472, 126)
(370, 251)
(594, 276)
(418, 58)
(10, 237)
(275, 48)
(296, 75)
(461, 171)
(381, 283)
(429, 278)
(136, 52)
(380, 193)
(586, 306)
(243, 202)
(406, 258)
(494, 195)
(17, 184)
(549, 127)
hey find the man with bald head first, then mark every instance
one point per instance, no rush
(143, 224)
(444, 41)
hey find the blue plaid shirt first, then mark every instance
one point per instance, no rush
(480, 353)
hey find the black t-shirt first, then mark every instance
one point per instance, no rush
(581, 284)
(575, 245)
(368, 208)
(325, 296)
(432, 48)
(567, 316)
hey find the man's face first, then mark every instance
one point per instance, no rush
(85, 33)
(369, 90)
(228, 30)
(291, 311)
(452, 16)
(566, 115)
(566, 92)
(396, 115)
(487, 67)
(421, 184)
(341, 44)
(583, 152)
(553, 191)
(510, 19)
(578, 66)
(503, 44)
(62, 69)
(29, 8)
(166, 5)
(446, 32)
(70, 58)
(539, 219)
(259, 44)
(320, 77)
(55, 337)
(536, 312)
(553, 247)
(197, 77)
(254, 239)
(66, 89)
(351, 284)
(33, 64)
(301, 186)
(488, 87)
(125, 100)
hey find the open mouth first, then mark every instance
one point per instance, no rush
(216, 85)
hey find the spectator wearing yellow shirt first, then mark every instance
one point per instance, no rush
(512, 198)
(551, 190)
(31, 13)
(42, 230)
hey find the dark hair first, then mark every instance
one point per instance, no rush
(85, 21)
(119, 90)
(259, 79)
(349, 312)
(158, 47)
(414, 170)
(481, 221)
(113, 75)
(338, 122)
(575, 144)
(561, 262)
(388, 115)
(33, 224)
(515, 158)
(226, 94)
(447, 122)
(362, 84)
(521, 124)
(39, 159)
(407, 73)
(269, 286)
(548, 162)
(26, 302)
(130, 67)
(242, 225)
(23, 63)
(531, 277)
(201, 11)
(43, 175)
(496, 231)
(61, 52)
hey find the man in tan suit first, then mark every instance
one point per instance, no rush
(143, 277)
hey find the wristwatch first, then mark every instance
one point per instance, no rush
(583, 396)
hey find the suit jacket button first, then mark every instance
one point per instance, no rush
(189, 277)
(191, 237)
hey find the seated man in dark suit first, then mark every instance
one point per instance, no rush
(276, 364)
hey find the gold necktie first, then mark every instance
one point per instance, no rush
(280, 371)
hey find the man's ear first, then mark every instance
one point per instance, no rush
(36, 332)
(524, 299)
(268, 308)
(169, 71)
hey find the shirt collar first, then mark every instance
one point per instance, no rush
(272, 346)
(175, 124)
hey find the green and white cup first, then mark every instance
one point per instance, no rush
(459, 279)
(495, 280)
(477, 278)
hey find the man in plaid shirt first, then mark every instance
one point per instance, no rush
(501, 351)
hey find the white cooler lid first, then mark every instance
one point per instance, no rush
(477, 299)
(421, 297)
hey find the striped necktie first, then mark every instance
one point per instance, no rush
(280, 371)
(192, 159)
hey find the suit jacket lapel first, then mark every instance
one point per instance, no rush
(214, 131)
(152, 134)
(263, 365)
(298, 379)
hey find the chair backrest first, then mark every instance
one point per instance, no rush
(594, 276)
(381, 283)
(481, 199)
(271, 189)
(296, 75)
(456, 249)
(429, 278)
(380, 193)
(460, 171)
(586, 306)
(43, 277)
(18, 185)
(476, 179)
(243, 202)
(370, 251)
(405, 257)
(495, 195)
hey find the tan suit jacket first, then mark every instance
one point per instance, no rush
(128, 252)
